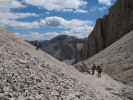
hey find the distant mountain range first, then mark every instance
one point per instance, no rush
(63, 47)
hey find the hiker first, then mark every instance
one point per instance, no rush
(99, 71)
(93, 69)
(37, 44)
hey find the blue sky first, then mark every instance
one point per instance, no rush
(45, 19)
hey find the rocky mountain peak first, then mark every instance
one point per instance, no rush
(110, 28)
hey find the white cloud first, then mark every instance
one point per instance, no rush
(102, 8)
(17, 4)
(58, 5)
(81, 11)
(106, 2)
(55, 21)
(74, 27)
(19, 24)
(8, 18)
(13, 16)
(79, 33)
(96, 9)
(36, 36)
(71, 27)
(7, 4)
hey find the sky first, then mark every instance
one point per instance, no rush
(45, 19)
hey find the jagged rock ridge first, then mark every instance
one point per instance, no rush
(110, 28)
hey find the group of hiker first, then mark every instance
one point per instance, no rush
(98, 69)
(94, 68)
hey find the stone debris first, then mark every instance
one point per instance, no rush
(25, 76)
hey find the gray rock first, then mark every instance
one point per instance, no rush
(110, 28)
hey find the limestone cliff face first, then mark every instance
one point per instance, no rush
(110, 28)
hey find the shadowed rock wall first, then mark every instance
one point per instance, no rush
(110, 28)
